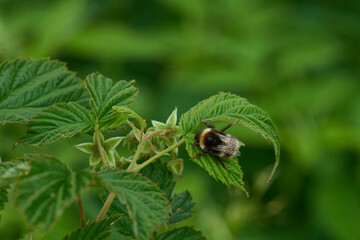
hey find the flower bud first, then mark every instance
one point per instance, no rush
(176, 166)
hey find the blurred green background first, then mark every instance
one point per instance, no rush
(297, 60)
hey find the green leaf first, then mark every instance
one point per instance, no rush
(124, 225)
(109, 146)
(176, 166)
(105, 94)
(171, 121)
(3, 197)
(158, 173)
(27, 235)
(226, 107)
(113, 120)
(93, 231)
(12, 170)
(216, 170)
(82, 179)
(128, 113)
(158, 125)
(49, 187)
(181, 207)
(145, 203)
(92, 149)
(63, 120)
(30, 85)
(183, 233)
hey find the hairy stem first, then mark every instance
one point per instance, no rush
(173, 155)
(98, 143)
(150, 160)
(112, 195)
(106, 206)
(132, 126)
(150, 134)
(81, 211)
(138, 150)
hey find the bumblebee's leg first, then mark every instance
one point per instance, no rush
(222, 163)
(195, 144)
(208, 124)
(200, 154)
(228, 126)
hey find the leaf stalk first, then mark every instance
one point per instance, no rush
(81, 211)
(106, 206)
(138, 150)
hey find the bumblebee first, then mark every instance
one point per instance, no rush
(217, 143)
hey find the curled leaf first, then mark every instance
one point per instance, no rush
(227, 107)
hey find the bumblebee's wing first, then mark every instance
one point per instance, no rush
(229, 146)
(221, 148)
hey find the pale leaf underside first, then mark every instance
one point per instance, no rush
(11, 171)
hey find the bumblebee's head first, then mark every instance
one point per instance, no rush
(197, 136)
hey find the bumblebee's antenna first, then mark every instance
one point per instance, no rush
(228, 126)
(208, 124)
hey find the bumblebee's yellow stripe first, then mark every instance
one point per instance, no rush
(202, 137)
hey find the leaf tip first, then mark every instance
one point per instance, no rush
(273, 170)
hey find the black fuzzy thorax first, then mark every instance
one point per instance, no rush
(211, 139)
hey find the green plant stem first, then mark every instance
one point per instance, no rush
(173, 155)
(81, 211)
(149, 135)
(112, 195)
(98, 143)
(138, 150)
(106, 206)
(147, 162)
(132, 126)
